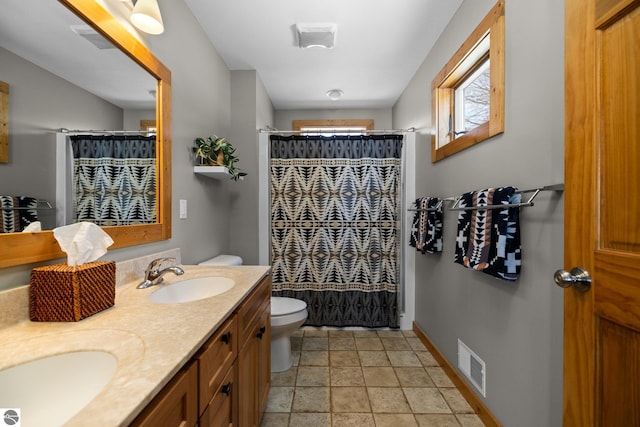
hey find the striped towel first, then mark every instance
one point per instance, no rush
(15, 220)
(488, 240)
(426, 230)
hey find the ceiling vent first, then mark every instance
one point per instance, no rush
(92, 36)
(316, 35)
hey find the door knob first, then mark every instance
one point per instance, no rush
(578, 277)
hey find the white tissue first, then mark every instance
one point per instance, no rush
(82, 242)
(34, 226)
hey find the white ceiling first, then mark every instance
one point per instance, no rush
(379, 46)
(40, 32)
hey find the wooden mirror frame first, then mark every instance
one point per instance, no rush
(25, 248)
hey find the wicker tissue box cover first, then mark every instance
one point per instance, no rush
(60, 293)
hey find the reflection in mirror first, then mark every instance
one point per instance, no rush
(103, 89)
(65, 74)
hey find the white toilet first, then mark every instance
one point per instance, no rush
(287, 315)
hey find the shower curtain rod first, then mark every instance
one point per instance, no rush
(336, 130)
(112, 132)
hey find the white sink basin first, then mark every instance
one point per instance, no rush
(192, 290)
(51, 390)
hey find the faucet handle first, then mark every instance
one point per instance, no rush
(156, 263)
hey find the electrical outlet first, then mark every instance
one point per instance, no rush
(183, 209)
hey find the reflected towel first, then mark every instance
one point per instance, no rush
(15, 220)
(426, 230)
(488, 240)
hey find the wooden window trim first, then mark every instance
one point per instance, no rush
(464, 60)
(147, 125)
(365, 123)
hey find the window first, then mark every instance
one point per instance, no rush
(468, 93)
(148, 126)
(471, 100)
(332, 127)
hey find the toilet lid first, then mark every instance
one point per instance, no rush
(281, 306)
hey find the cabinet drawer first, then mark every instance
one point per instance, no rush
(176, 405)
(250, 310)
(219, 413)
(215, 360)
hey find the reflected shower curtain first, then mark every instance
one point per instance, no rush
(335, 226)
(114, 179)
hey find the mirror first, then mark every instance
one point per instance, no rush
(23, 248)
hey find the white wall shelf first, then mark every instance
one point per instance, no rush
(215, 172)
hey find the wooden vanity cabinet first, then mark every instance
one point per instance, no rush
(227, 382)
(254, 355)
(177, 403)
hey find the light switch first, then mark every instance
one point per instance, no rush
(183, 209)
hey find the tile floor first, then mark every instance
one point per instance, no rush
(364, 378)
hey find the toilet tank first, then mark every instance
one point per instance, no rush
(223, 260)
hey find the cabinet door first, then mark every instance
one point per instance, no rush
(250, 310)
(254, 356)
(263, 360)
(176, 405)
(247, 384)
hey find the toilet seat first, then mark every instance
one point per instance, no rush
(281, 306)
(287, 311)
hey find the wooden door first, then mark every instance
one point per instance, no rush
(602, 212)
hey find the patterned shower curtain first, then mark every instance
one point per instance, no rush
(114, 179)
(335, 226)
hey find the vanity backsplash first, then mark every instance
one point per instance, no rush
(14, 303)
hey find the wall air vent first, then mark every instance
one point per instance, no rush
(92, 36)
(316, 35)
(472, 367)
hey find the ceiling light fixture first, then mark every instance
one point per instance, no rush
(146, 17)
(334, 94)
(316, 35)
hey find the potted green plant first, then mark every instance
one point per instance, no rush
(216, 151)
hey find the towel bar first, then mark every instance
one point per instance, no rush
(529, 202)
(42, 204)
(433, 209)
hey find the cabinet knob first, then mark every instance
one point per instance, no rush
(226, 389)
(226, 338)
(261, 332)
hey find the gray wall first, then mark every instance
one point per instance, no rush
(201, 92)
(516, 328)
(39, 104)
(132, 118)
(381, 116)
(251, 110)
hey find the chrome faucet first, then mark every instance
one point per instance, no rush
(153, 274)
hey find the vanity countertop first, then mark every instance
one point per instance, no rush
(150, 341)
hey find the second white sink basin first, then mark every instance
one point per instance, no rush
(51, 390)
(192, 289)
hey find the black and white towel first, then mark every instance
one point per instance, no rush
(17, 212)
(426, 229)
(488, 240)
